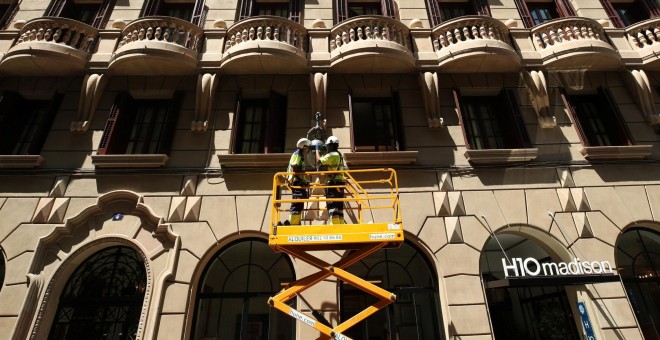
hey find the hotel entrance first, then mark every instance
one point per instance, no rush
(529, 307)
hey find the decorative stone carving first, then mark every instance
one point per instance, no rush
(90, 95)
(318, 83)
(580, 199)
(35, 288)
(639, 85)
(582, 224)
(565, 178)
(449, 203)
(177, 209)
(59, 188)
(537, 89)
(193, 205)
(43, 209)
(454, 231)
(189, 186)
(206, 86)
(566, 199)
(428, 82)
(446, 183)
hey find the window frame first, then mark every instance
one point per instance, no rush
(13, 102)
(649, 7)
(387, 9)
(434, 8)
(198, 14)
(100, 19)
(274, 130)
(563, 8)
(604, 103)
(395, 121)
(8, 13)
(247, 8)
(123, 113)
(507, 98)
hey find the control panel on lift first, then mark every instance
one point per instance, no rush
(372, 221)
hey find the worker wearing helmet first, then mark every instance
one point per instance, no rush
(334, 162)
(297, 180)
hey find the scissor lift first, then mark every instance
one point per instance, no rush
(373, 221)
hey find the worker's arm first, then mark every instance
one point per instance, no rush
(318, 154)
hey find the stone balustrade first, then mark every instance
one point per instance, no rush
(267, 28)
(63, 31)
(164, 29)
(373, 28)
(561, 31)
(644, 34)
(469, 28)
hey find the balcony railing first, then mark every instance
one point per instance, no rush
(365, 28)
(267, 28)
(555, 33)
(469, 28)
(644, 34)
(62, 31)
(163, 29)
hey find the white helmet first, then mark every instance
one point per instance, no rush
(332, 140)
(302, 142)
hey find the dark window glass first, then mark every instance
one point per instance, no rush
(2, 270)
(598, 121)
(103, 298)
(176, 10)
(493, 122)
(7, 11)
(234, 289)
(275, 9)
(152, 118)
(375, 124)
(364, 8)
(542, 11)
(24, 124)
(529, 312)
(630, 12)
(252, 126)
(83, 12)
(406, 273)
(638, 260)
(451, 10)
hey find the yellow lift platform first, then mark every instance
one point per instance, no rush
(373, 221)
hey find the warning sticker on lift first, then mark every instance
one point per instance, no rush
(341, 337)
(381, 236)
(393, 226)
(315, 238)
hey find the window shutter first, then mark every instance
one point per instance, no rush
(481, 7)
(652, 8)
(575, 119)
(55, 8)
(341, 11)
(10, 117)
(618, 124)
(524, 13)
(466, 129)
(434, 12)
(511, 117)
(275, 124)
(150, 8)
(103, 14)
(245, 9)
(294, 10)
(117, 128)
(9, 13)
(612, 14)
(199, 13)
(236, 126)
(397, 122)
(42, 132)
(565, 9)
(388, 8)
(169, 128)
(350, 118)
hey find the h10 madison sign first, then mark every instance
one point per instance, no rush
(532, 267)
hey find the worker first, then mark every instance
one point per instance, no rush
(334, 161)
(298, 181)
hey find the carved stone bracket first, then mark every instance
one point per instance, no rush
(428, 82)
(207, 84)
(638, 83)
(90, 95)
(318, 83)
(537, 89)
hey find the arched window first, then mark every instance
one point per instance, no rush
(234, 290)
(103, 298)
(405, 272)
(538, 310)
(2, 269)
(638, 260)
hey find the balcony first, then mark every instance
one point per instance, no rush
(157, 46)
(371, 44)
(644, 38)
(50, 46)
(265, 44)
(571, 43)
(475, 44)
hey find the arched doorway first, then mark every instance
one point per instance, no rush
(405, 272)
(638, 260)
(537, 310)
(103, 298)
(233, 293)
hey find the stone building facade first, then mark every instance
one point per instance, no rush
(138, 142)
